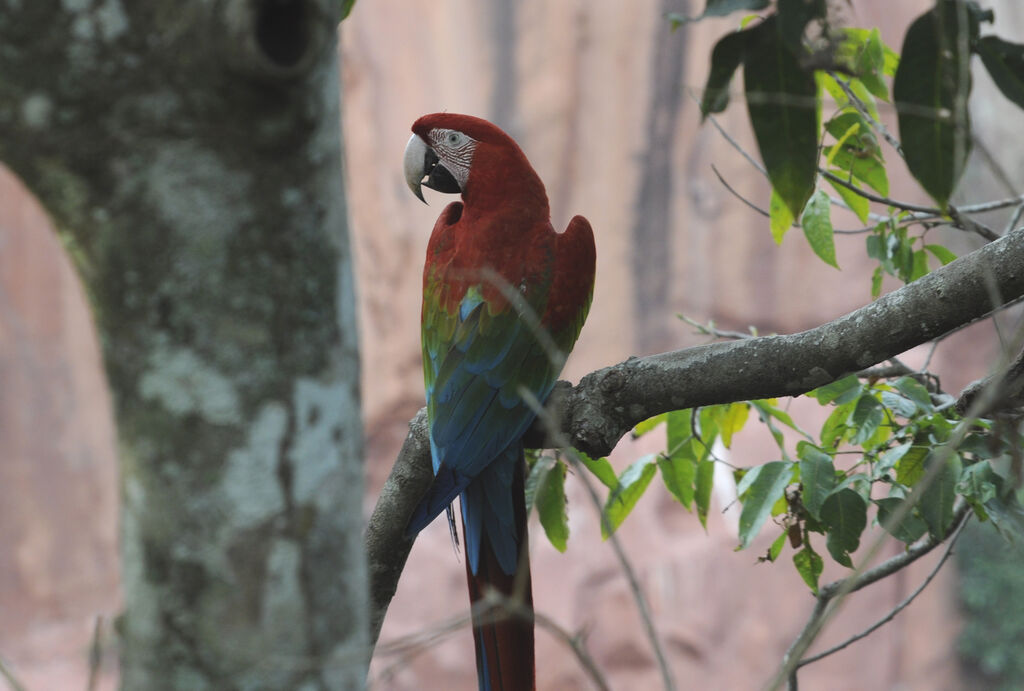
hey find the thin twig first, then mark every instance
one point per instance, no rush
(503, 608)
(907, 206)
(710, 329)
(643, 609)
(1017, 213)
(8, 675)
(739, 196)
(728, 137)
(931, 353)
(95, 654)
(862, 108)
(994, 165)
(901, 606)
(837, 590)
(991, 206)
(970, 225)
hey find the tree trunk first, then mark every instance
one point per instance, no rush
(190, 154)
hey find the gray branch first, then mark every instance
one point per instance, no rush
(608, 403)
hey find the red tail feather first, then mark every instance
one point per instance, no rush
(504, 635)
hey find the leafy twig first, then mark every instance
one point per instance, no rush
(965, 516)
(835, 591)
(831, 597)
(560, 440)
(8, 675)
(906, 206)
(865, 113)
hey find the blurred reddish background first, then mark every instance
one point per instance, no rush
(598, 95)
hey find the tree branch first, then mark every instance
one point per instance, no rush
(609, 402)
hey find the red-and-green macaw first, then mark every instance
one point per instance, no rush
(504, 298)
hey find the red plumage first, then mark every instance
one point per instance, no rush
(495, 267)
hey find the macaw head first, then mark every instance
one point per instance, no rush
(454, 154)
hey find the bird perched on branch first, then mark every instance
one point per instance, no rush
(504, 299)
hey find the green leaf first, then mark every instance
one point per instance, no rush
(912, 389)
(549, 497)
(844, 513)
(1005, 63)
(704, 485)
(863, 95)
(768, 486)
(649, 424)
(866, 418)
(870, 65)
(709, 420)
(936, 505)
(900, 405)
(876, 282)
(780, 218)
(888, 459)
(909, 529)
(862, 142)
(725, 60)
(776, 549)
(920, 266)
(839, 391)
(858, 204)
(768, 408)
(809, 565)
(836, 426)
(346, 9)
(733, 420)
(978, 483)
(855, 40)
(1007, 515)
(719, 8)
(817, 476)
(601, 469)
(910, 468)
(781, 99)
(931, 90)
(631, 486)
(537, 465)
(817, 225)
(941, 253)
(679, 474)
(841, 141)
(864, 167)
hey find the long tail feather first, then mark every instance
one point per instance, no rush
(504, 635)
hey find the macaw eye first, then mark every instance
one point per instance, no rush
(454, 138)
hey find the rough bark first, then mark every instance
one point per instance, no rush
(608, 403)
(190, 154)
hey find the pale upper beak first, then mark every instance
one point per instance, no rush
(415, 164)
(423, 168)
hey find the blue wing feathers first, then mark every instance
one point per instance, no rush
(477, 418)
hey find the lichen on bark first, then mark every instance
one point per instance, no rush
(192, 160)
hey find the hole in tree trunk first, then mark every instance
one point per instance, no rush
(282, 30)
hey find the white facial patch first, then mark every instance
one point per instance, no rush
(455, 150)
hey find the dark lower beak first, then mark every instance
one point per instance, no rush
(423, 167)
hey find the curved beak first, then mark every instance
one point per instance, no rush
(415, 164)
(422, 168)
